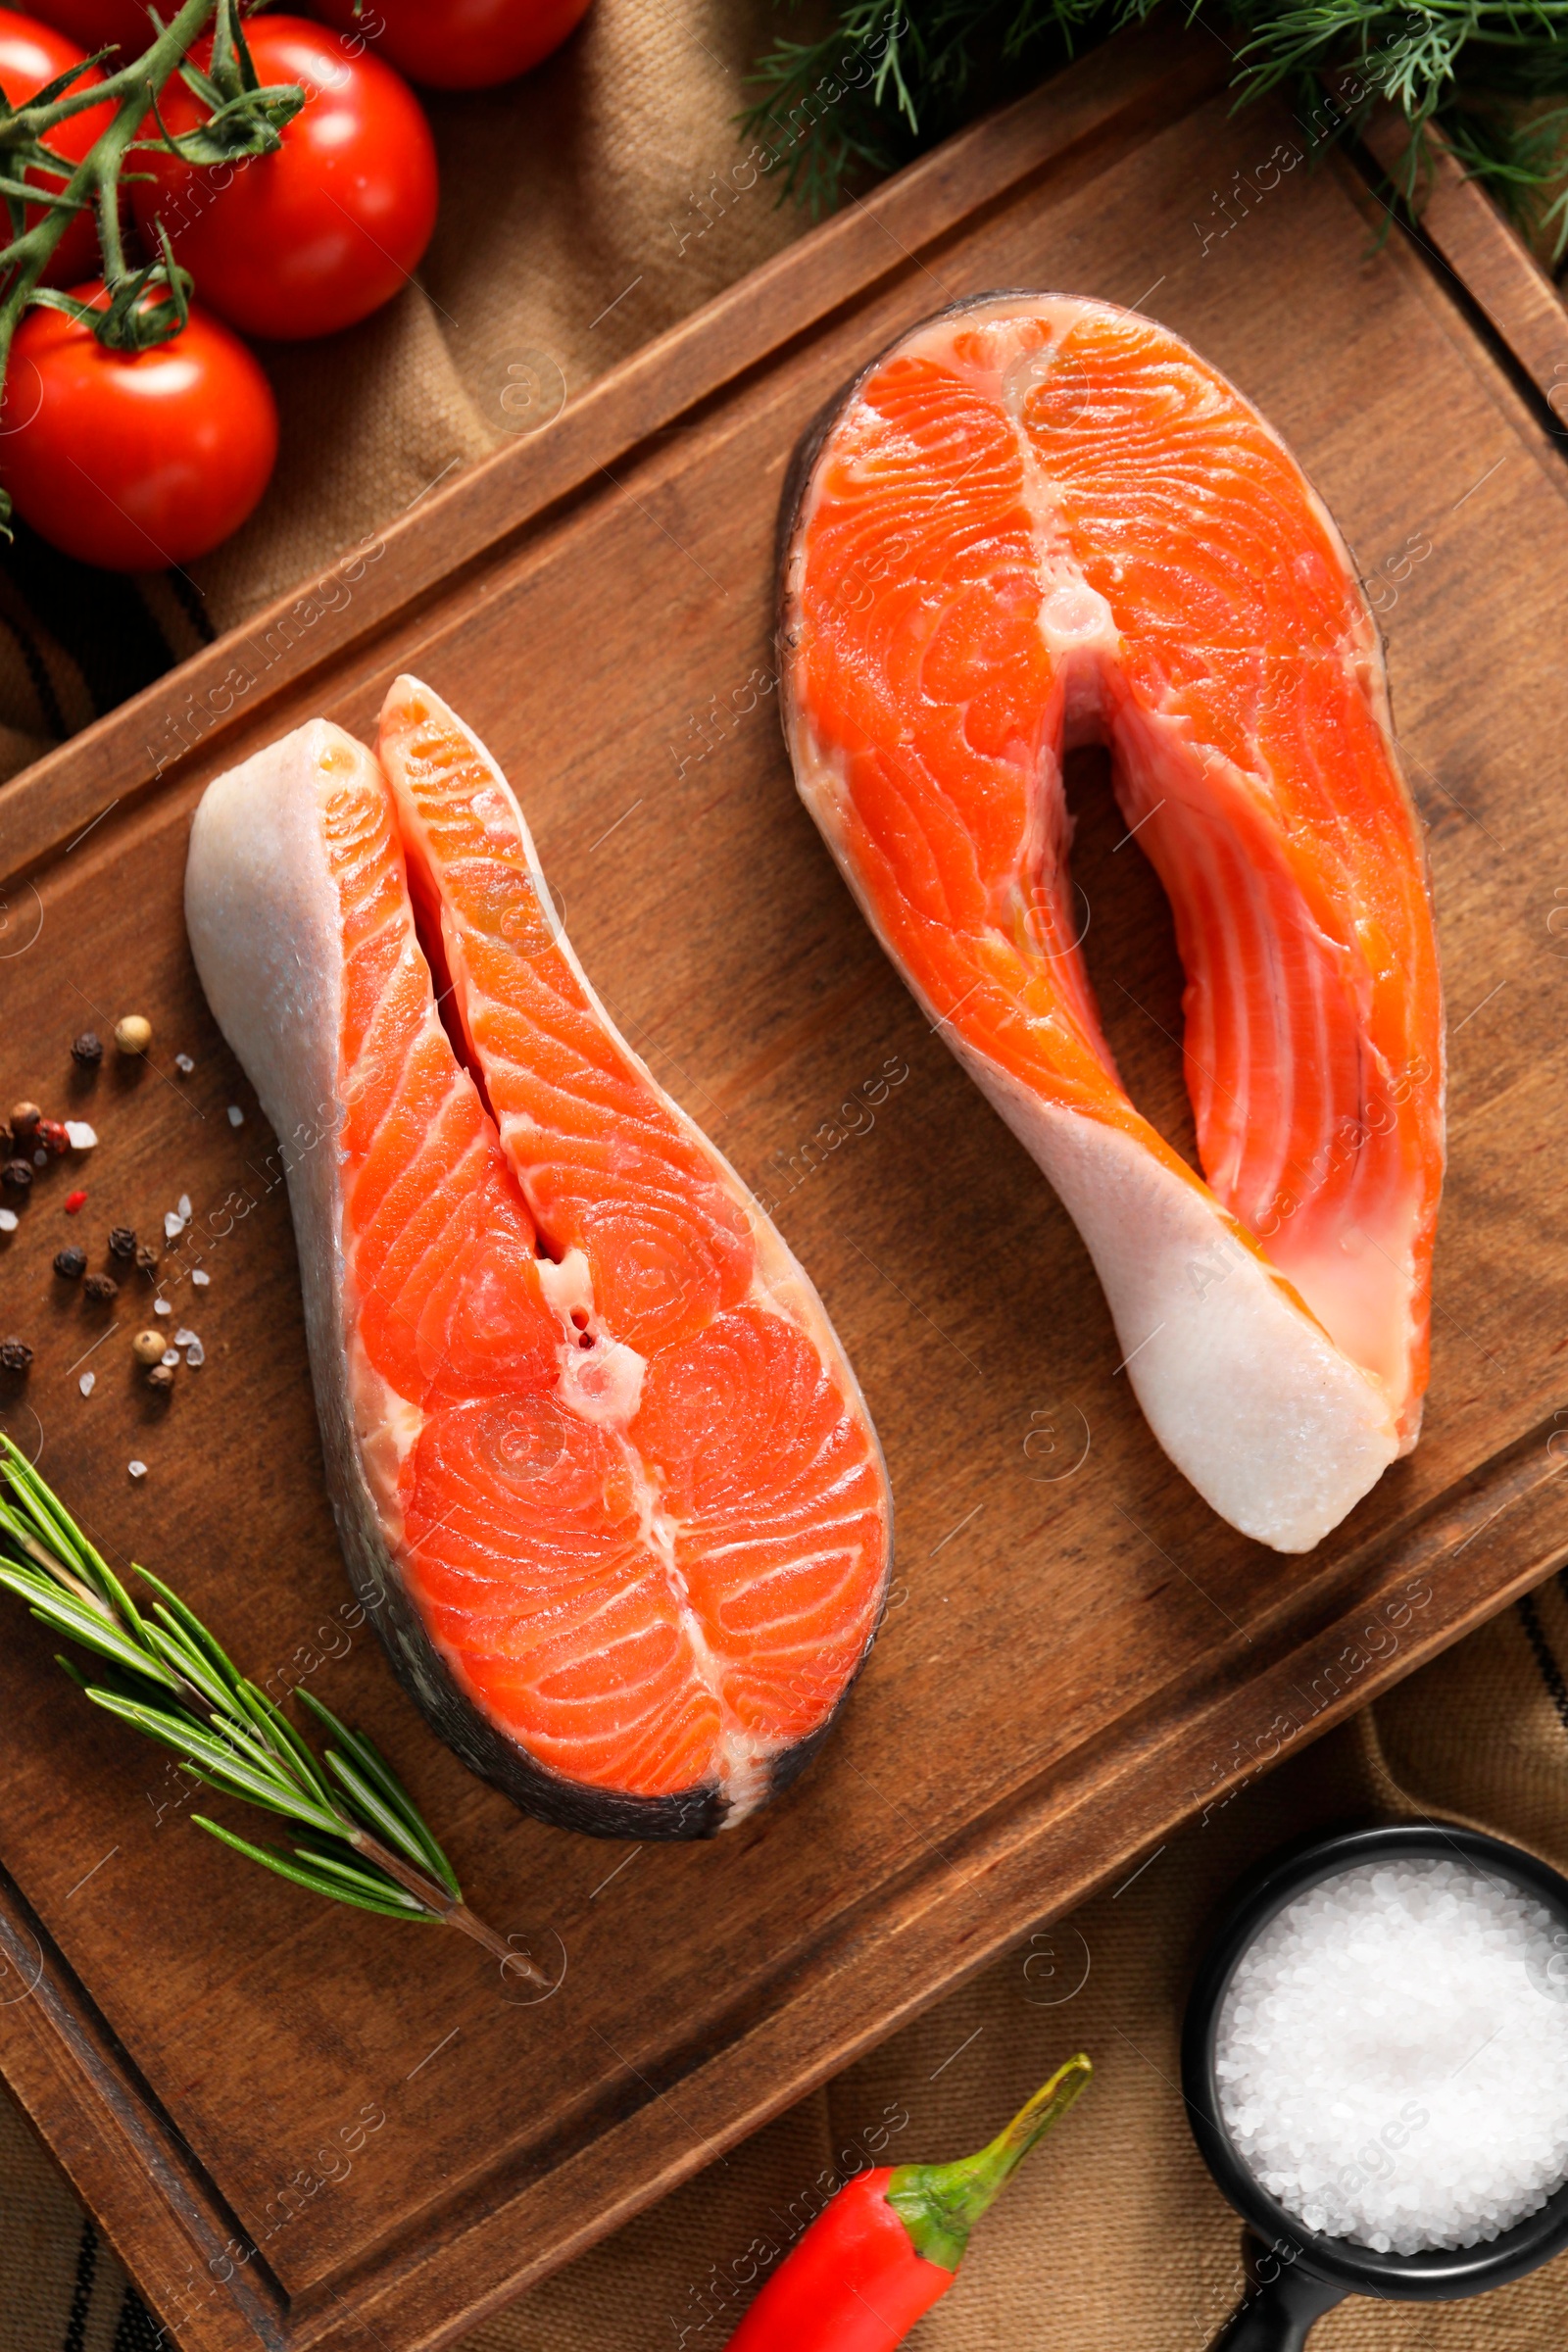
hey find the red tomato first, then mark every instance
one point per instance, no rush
(323, 232)
(31, 53)
(460, 44)
(134, 460)
(93, 23)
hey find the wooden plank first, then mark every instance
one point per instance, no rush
(1080, 1655)
(124, 2157)
(1077, 1832)
(1469, 238)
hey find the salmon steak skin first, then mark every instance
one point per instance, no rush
(600, 1470)
(1038, 520)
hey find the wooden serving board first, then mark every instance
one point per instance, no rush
(302, 2127)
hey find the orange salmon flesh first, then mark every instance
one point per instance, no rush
(1038, 520)
(611, 1484)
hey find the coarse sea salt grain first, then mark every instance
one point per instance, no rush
(1391, 2056)
(88, 1383)
(8, 1220)
(236, 1117)
(200, 1277)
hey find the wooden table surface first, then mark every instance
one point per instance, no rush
(302, 2127)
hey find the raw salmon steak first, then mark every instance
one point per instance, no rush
(599, 1467)
(1038, 520)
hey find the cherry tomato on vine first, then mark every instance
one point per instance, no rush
(30, 55)
(459, 44)
(93, 23)
(324, 231)
(134, 460)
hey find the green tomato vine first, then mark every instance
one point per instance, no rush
(149, 301)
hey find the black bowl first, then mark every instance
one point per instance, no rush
(1298, 2273)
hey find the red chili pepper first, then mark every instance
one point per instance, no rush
(888, 2245)
(74, 1202)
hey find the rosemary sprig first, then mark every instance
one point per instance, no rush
(162, 1673)
(891, 76)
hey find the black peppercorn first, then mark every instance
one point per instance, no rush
(18, 1173)
(101, 1287)
(122, 1242)
(162, 1376)
(15, 1356)
(87, 1050)
(146, 1259)
(71, 1264)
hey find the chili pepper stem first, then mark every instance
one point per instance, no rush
(939, 2204)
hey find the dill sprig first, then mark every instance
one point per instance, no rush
(162, 1673)
(889, 76)
(1523, 159)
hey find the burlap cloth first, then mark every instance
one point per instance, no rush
(572, 230)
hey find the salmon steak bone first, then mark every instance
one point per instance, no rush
(600, 1470)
